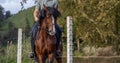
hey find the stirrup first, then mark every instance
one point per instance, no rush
(32, 55)
(58, 53)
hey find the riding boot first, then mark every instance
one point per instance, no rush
(58, 36)
(58, 51)
(32, 55)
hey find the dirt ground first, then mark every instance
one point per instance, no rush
(99, 59)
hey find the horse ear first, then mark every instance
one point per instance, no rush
(45, 8)
(56, 7)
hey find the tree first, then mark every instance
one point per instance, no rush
(27, 27)
(94, 21)
(12, 33)
(1, 13)
(8, 14)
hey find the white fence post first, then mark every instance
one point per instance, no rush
(19, 52)
(69, 40)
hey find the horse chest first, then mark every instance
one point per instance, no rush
(46, 44)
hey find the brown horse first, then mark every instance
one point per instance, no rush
(45, 43)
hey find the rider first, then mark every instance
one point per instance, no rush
(38, 8)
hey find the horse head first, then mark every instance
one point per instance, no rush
(49, 15)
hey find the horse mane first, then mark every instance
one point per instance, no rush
(52, 11)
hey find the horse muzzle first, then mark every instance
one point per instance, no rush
(52, 32)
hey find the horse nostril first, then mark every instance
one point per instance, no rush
(52, 32)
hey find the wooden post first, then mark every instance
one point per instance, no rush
(19, 52)
(69, 40)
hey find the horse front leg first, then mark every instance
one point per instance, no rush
(41, 59)
(51, 58)
(58, 59)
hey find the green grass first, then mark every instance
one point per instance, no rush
(10, 54)
(19, 19)
(26, 49)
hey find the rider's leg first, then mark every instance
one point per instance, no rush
(58, 35)
(33, 36)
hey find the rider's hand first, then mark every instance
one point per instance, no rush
(36, 19)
